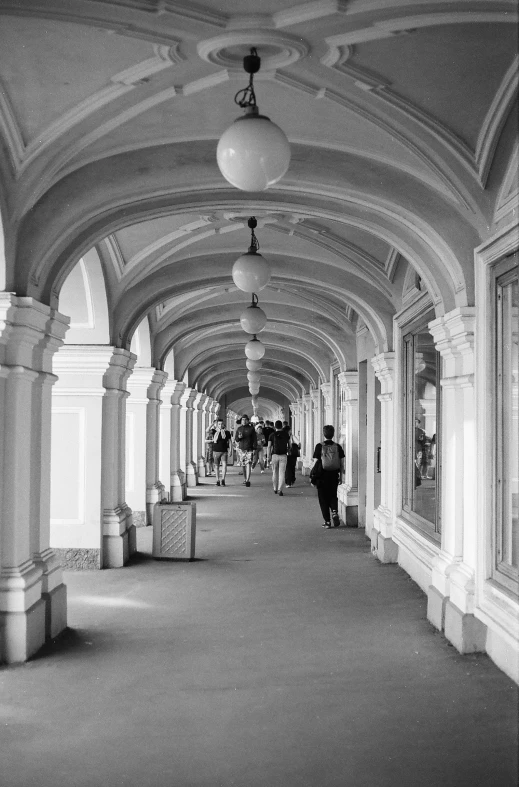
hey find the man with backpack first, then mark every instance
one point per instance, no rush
(325, 475)
(278, 445)
(245, 441)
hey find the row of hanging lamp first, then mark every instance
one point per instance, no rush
(251, 272)
(253, 153)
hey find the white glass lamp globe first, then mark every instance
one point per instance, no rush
(253, 366)
(254, 350)
(253, 153)
(253, 319)
(254, 388)
(253, 377)
(251, 272)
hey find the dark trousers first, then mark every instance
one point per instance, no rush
(290, 472)
(327, 496)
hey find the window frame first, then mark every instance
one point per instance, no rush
(507, 577)
(409, 331)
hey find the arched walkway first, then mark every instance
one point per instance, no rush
(284, 655)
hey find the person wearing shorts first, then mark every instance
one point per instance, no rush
(220, 443)
(245, 440)
(209, 448)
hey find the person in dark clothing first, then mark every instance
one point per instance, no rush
(220, 440)
(332, 459)
(293, 454)
(245, 440)
(278, 445)
(268, 429)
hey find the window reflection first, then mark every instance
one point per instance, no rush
(421, 402)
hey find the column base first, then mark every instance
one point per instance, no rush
(386, 550)
(23, 633)
(116, 547)
(131, 530)
(191, 475)
(154, 494)
(55, 611)
(436, 603)
(466, 632)
(202, 470)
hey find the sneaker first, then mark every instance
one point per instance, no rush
(217, 483)
(275, 491)
(262, 471)
(280, 493)
(244, 483)
(326, 524)
(247, 483)
(335, 519)
(223, 483)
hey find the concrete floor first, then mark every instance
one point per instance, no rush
(284, 656)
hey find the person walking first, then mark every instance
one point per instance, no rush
(325, 475)
(268, 429)
(279, 442)
(293, 453)
(245, 441)
(209, 448)
(221, 442)
(259, 453)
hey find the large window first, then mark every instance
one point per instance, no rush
(506, 540)
(421, 470)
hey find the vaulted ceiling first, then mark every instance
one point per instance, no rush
(401, 120)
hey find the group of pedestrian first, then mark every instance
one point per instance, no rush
(271, 445)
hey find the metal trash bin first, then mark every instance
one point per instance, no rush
(174, 531)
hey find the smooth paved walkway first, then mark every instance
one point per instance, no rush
(285, 656)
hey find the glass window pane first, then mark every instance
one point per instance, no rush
(425, 426)
(508, 428)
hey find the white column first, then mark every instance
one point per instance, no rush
(326, 390)
(199, 433)
(118, 530)
(451, 594)
(165, 434)
(137, 442)
(154, 488)
(177, 434)
(316, 417)
(188, 399)
(32, 593)
(348, 492)
(382, 543)
(308, 434)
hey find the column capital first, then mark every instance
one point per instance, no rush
(176, 391)
(119, 369)
(200, 400)
(156, 385)
(326, 390)
(215, 407)
(349, 383)
(140, 381)
(315, 397)
(453, 335)
(307, 401)
(188, 397)
(30, 332)
(384, 366)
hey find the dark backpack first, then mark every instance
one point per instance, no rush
(330, 457)
(280, 442)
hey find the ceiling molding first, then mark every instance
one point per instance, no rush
(495, 120)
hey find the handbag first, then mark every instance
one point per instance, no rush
(316, 472)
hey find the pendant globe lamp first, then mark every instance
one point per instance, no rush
(253, 153)
(253, 377)
(254, 349)
(253, 319)
(253, 366)
(251, 271)
(254, 388)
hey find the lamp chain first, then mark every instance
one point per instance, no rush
(247, 97)
(254, 243)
